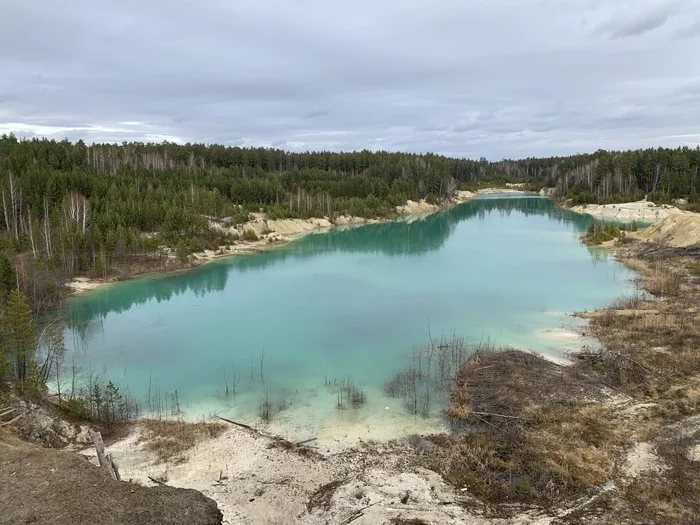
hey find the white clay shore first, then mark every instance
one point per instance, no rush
(641, 211)
(253, 481)
(276, 232)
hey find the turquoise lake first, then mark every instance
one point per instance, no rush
(347, 304)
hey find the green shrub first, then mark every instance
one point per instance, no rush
(250, 235)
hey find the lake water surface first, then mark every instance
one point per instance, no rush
(347, 305)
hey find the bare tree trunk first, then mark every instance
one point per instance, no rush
(31, 235)
(47, 229)
(106, 461)
(4, 209)
(14, 203)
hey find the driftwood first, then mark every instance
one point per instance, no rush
(105, 460)
(242, 425)
(305, 441)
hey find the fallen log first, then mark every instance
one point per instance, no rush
(305, 441)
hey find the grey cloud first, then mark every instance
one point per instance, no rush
(690, 30)
(316, 113)
(495, 79)
(631, 22)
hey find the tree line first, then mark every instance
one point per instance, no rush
(84, 208)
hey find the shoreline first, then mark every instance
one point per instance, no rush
(273, 233)
(257, 477)
(386, 470)
(640, 211)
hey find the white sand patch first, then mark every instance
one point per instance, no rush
(84, 284)
(253, 482)
(417, 208)
(558, 334)
(643, 211)
(694, 453)
(489, 191)
(641, 459)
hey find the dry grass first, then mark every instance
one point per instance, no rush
(657, 279)
(506, 382)
(532, 431)
(637, 265)
(652, 346)
(664, 283)
(563, 450)
(652, 352)
(647, 352)
(672, 495)
(561, 439)
(323, 496)
(170, 439)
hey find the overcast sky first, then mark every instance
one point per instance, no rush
(468, 78)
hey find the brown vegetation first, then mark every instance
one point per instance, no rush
(170, 439)
(652, 353)
(651, 347)
(531, 431)
(670, 496)
(323, 496)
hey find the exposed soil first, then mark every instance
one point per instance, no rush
(676, 231)
(48, 486)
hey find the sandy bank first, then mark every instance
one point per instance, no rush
(678, 230)
(253, 480)
(643, 211)
(84, 284)
(498, 191)
(276, 232)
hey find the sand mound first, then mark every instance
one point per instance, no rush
(54, 487)
(643, 211)
(678, 231)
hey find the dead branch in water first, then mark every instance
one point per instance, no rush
(242, 425)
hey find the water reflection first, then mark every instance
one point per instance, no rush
(394, 239)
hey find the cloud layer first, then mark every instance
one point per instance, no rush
(493, 78)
